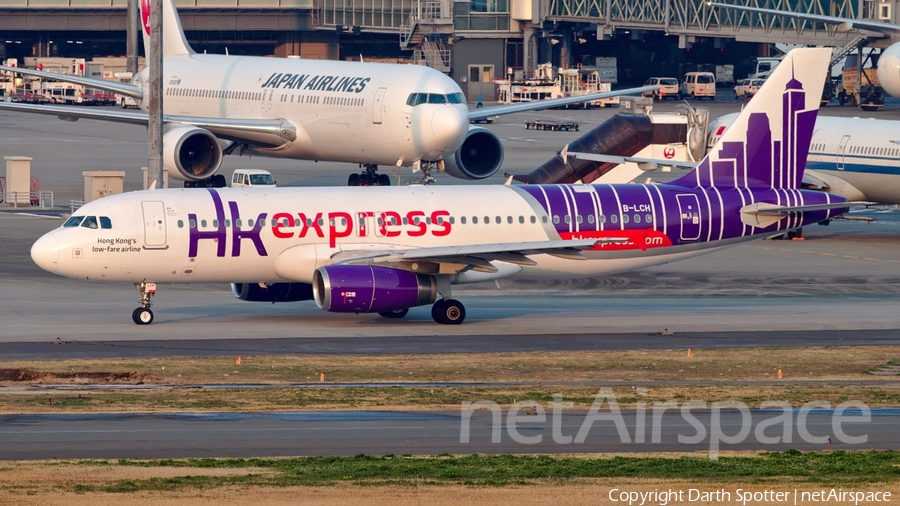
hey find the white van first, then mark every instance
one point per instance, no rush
(698, 85)
(252, 178)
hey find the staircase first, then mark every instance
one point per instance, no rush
(839, 53)
(432, 53)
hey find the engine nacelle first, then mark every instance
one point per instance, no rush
(191, 153)
(276, 292)
(889, 70)
(370, 289)
(479, 156)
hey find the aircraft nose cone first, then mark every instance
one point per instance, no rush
(45, 253)
(449, 125)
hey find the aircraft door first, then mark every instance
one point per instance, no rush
(378, 106)
(154, 225)
(689, 210)
(842, 148)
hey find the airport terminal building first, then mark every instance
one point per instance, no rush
(473, 41)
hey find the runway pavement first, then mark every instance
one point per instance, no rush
(182, 435)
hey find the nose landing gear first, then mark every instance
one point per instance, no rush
(143, 315)
(369, 177)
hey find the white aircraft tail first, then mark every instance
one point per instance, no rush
(173, 42)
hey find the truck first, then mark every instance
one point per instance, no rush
(550, 83)
(869, 95)
(724, 75)
(122, 100)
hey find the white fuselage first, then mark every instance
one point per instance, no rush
(170, 235)
(343, 111)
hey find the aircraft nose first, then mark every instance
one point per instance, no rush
(45, 252)
(449, 125)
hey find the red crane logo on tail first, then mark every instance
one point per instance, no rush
(145, 15)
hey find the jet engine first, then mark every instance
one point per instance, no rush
(276, 292)
(191, 153)
(888, 66)
(479, 156)
(370, 289)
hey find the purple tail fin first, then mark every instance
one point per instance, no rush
(767, 145)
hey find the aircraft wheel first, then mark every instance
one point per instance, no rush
(142, 316)
(450, 312)
(399, 313)
(384, 180)
(353, 180)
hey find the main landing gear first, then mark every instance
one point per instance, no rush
(445, 311)
(143, 315)
(448, 311)
(369, 177)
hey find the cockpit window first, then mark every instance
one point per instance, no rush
(105, 222)
(73, 221)
(435, 98)
(89, 222)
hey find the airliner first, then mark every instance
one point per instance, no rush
(856, 158)
(888, 61)
(366, 113)
(385, 250)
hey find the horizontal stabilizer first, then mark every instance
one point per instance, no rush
(762, 214)
(129, 90)
(645, 164)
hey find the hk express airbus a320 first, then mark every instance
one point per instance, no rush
(365, 113)
(385, 250)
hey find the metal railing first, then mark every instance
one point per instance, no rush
(31, 198)
(74, 205)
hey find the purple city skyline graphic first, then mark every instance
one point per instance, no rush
(759, 161)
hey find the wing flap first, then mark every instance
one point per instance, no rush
(126, 89)
(486, 112)
(274, 132)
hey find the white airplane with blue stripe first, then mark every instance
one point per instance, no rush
(856, 158)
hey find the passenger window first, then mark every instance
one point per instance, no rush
(602, 219)
(250, 222)
(180, 224)
(568, 219)
(192, 224)
(590, 218)
(509, 219)
(521, 219)
(474, 220)
(237, 223)
(625, 219)
(578, 219)
(227, 223)
(215, 223)
(648, 218)
(544, 219)
(637, 218)
(89, 222)
(487, 220)
(498, 220)
(533, 220)
(105, 222)
(202, 223)
(614, 219)
(462, 220)
(556, 220)
(74, 221)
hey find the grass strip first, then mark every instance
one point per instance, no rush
(811, 468)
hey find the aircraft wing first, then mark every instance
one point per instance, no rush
(274, 132)
(645, 164)
(537, 105)
(843, 24)
(126, 89)
(455, 259)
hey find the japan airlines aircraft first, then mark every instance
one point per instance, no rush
(366, 113)
(385, 250)
(888, 62)
(856, 158)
